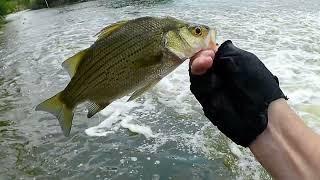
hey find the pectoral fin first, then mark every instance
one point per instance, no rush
(71, 64)
(140, 91)
(148, 61)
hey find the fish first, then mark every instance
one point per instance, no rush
(128, 56)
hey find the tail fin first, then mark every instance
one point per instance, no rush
(56, 107)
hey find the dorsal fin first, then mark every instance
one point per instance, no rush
(107, 31)
(73, 62)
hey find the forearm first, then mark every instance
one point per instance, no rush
(288, 149)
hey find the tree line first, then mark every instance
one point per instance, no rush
(9, 6)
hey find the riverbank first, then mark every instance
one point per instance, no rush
(1, 21)
(7, 7)
(38, 4)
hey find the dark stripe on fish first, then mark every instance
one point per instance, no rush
(78, 95)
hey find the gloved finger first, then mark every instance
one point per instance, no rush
(225, 66)
(276, 78)
(228, 58)
(203, 85)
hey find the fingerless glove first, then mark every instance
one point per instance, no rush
(235, 93)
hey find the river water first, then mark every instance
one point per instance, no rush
(163, 134)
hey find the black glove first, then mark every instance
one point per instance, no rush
(235, 93)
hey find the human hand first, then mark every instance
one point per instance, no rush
(202, 61)
(234, 90)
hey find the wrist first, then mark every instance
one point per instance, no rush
(274, 113)
(284, 147)
(275, 110)
(271, 146)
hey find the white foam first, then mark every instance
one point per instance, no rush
(118, 115)
(157, 162)
(155, 177)
(141, 129)
(122, 161)
(235, 150)
(133, 158)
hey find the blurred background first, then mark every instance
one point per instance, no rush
(163, 134)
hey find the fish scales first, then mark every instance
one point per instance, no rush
(113, 52)
(97, 62)
(99, 51)
(107, 68)
(130, 47)
(91, 70)
(110, 78)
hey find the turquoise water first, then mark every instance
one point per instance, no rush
(163, 134)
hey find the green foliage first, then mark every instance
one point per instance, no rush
(4, 7)
(37, 4)
(9, 6)
(1, 21)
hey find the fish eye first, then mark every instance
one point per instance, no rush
(197, 31)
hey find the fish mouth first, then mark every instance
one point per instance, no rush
(209, 43)
(211, 39)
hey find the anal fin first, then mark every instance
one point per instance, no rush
(93, 108)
